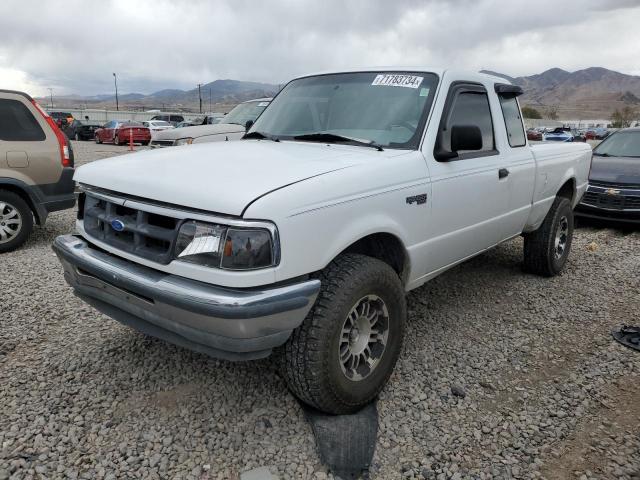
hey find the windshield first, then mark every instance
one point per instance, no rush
(244, 112)
(386, 108)
(620, 144)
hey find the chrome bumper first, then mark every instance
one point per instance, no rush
(234, 324)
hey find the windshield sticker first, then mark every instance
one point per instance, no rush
(263, 104)
(424, 92)
(388, 80)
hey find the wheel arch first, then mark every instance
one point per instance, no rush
(26, 193)
(384, 246)
(568, 190)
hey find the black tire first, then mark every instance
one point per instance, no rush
(541, 254)
(98, 139)
(11, 201)
(310, 360)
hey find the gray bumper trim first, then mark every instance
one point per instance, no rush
(224, 322)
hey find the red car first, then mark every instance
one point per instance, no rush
(119, 132)
(534, 135)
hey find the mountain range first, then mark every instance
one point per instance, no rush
(221, 93)
(591, 93)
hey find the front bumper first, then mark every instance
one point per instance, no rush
(618, 204)
(233, 324)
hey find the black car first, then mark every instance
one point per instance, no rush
(77, 130)
(614, 180)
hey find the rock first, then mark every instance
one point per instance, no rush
(458, 390)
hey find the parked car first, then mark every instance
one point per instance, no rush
(304, 236)
(61, 118)
(614, 179)
(596, 133)
(36, 168)
(185, 124)
(231, 127)
(171, 118)
(77, 130)
(534, 135)
(119, 132)
(559, 134)
(156, 126)
(578, 136)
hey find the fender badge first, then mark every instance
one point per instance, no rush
(117, 225)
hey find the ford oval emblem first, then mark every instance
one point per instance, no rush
(117, 225)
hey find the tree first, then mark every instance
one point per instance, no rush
(551, 112)
(623, 118)
(530, 112)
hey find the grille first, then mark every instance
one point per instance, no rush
(163, 143)
(144, 234)
(613, 202)
(621, 186)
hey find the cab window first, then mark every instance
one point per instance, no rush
(467, 105)
(512, 121)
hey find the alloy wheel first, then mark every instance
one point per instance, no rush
(363, 338)
(10, 222)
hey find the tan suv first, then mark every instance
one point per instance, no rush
(36, 168)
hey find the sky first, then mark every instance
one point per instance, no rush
(74, 46)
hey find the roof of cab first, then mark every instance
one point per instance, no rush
(463, 74)
(16, 92)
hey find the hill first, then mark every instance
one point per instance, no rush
(593, 92)
(221, 93)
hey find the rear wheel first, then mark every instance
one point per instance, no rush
(16, 221)
(546, 250)
(342, 355)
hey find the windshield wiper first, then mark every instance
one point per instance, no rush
(601, 154)
(260, 136)
(333, 138)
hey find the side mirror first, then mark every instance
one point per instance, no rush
(248, 125)
(466, 137)
(463, 137)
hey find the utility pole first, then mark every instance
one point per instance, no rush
(210, 100)
(51, 96)
(200, 95)
(115, 81)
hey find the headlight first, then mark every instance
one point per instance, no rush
(229, 248)
(183, 141)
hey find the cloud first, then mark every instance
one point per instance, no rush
(155, 44)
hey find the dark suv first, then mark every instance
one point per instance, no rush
(36, 168)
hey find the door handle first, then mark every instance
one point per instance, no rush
(503, 173)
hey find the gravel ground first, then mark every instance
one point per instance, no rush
(503, 375)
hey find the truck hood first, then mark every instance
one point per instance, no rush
(618, 170)
(221, 177)
(199, 131)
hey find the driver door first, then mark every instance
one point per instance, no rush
(470, 195)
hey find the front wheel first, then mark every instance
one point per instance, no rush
(97, 138)
(546, 250)
(343, 353)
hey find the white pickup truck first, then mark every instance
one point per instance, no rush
(301, 239)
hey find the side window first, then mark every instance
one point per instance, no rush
(17, 124)
(512, 121)
(470, 108)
